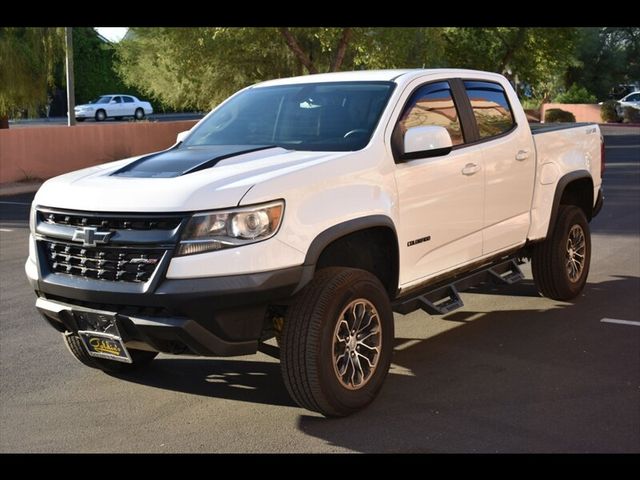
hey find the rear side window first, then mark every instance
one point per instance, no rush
(490, 108)
(128, 100)
(432, 104)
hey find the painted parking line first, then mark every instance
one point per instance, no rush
(621, 322)
(5, 230)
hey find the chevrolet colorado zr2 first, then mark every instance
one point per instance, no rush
(310, 209)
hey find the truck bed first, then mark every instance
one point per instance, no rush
(552, 127)
(561, 148)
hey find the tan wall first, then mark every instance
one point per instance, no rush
(584, 112)
(44, 152)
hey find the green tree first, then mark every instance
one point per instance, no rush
(379, 48)
(94, 66)
(199, 67)
(333, 49)
(195, 68)
(606, 57)
(28, 58)
(575, 94)
(535, 58)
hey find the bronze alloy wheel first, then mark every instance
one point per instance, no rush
(576, 247)
(356, 344)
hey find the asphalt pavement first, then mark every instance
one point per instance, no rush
(509, 372)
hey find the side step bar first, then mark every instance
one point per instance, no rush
(441, 299)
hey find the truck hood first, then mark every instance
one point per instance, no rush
(176, 180)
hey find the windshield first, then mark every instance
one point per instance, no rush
(338, 116)
(104, 99)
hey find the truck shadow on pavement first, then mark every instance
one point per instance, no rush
(523, 288)
(508, 381)
(245, 381)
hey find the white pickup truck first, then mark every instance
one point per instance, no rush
(310, 209)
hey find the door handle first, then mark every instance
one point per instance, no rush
(470, 169)
(522, 155)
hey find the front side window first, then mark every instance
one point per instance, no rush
(332, 116)
(432, 104)
(103, 99)
(117, 100)
(490, 108)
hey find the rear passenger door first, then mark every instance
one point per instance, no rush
(508, 158)
(129, 106)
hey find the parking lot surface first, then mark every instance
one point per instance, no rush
(509, 372)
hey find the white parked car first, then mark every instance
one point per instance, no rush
(632, 100)
(113, 105)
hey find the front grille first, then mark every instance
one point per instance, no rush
(103, 263)
(109, 222)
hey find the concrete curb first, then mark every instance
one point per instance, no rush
(17, 188)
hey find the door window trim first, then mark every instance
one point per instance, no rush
(394, 147)
(468, 122)
(476, 131)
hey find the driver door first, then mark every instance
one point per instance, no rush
(115, 107)
(440, 198)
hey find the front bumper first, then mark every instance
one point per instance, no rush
(217, 316)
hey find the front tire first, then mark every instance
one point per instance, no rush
(560, 264)
(140, 358)
(100, 115)
(337, 342)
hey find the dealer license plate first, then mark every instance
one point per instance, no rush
(105, 345)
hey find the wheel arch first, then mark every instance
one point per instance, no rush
(574, 188)
(342, 245)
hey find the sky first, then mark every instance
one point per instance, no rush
(113, 34)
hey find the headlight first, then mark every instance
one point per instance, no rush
(211, 231)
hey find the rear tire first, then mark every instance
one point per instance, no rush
(139, 114)
(140, 357)
(560, 264)
(337, 342)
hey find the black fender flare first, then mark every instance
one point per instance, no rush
(560, 188)
(331, 234)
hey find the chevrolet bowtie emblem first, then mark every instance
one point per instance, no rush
(90, 236)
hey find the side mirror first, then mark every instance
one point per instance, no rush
(426, 141)
(181, 136)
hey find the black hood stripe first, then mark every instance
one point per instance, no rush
(176, 161)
